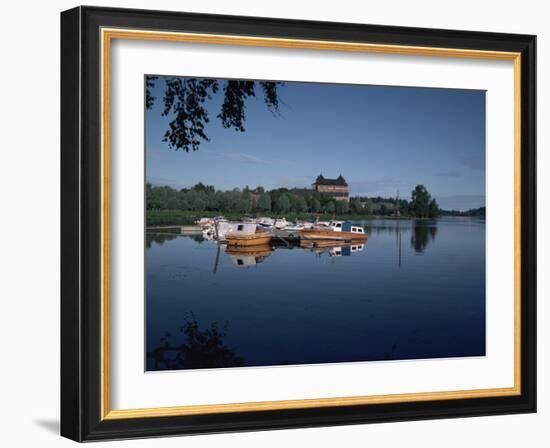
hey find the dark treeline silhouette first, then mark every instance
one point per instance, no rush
(474, 212)
(200, 349)
(201, 198)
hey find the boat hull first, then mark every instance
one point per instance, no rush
(316, 234)
(248, 240)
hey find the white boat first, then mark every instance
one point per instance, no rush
(346, 226)
(204, 222)
(321, 224)
(295, 227)
(221, 228)
(229, 229)
(280, 223)
(265, 222)
(208, 234)
(304, 224)
(210, 225)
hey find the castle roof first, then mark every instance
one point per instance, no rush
(325, 181)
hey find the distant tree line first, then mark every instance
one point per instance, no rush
(203, 197)
(474, 212)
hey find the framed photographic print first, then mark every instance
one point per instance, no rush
(274, 223)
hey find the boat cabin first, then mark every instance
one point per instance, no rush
(223, 229)
(242, 229)
(346, 226)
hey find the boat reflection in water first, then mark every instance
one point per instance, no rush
(415, 290)
(253, 255)
(341, 251)
(248, 256)
(332, 248)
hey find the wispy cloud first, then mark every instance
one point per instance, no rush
(474, 163)
(449, 173)
(366, 187)
(248, 158)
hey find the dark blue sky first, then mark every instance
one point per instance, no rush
(381, 139)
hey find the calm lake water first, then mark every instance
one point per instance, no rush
(415, 290)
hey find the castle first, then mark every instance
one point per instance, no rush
(336, 188)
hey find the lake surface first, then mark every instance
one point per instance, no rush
(415, 290)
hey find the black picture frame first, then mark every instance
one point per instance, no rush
(81, 224)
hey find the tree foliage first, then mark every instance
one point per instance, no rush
(283, 204)
(201, 349)
(185, 99)
(422, 204)
(264, 203)
(279, 201)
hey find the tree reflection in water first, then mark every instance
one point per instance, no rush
(202, 349)
(423, 233)
(158, 238)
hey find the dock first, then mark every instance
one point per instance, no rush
(184, 230)
(283, 238)
(286, 238)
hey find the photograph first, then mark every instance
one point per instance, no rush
(299, 223)
(273, 223)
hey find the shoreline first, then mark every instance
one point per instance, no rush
(182, 218)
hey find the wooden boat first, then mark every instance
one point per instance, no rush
(336, 230)
(259, 238)
(247, 234)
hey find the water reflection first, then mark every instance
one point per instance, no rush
(316, 303)
(248, 256)
(424, 232)
(333, 249)
(201, 349)
(158, 238)
(198, 237)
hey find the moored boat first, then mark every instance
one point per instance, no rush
(294, 227)
(336, 230)
(204, 222)
(266, 222)
(257, 239)
(280, 223)
(247, 234)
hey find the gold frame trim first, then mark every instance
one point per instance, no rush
(107, 35)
